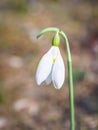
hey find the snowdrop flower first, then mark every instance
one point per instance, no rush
(51, 67)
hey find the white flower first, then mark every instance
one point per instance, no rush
(51, 68)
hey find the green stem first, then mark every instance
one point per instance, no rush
(51, 29)
(69, 61)
(70, 78)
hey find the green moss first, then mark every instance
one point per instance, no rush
(18, 5)
(78, 75)
(2, 97)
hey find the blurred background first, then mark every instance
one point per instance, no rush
(24, 105)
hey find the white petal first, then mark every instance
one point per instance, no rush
(44, 67)
(54, 51)
(49, 79)
(58, 72)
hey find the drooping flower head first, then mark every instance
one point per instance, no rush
(51, 66)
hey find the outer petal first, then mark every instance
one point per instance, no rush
(58, 73)
(54, 52)
(44, 68)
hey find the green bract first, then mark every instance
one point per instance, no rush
(56, 40)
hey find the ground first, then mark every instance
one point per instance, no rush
(23, 104)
